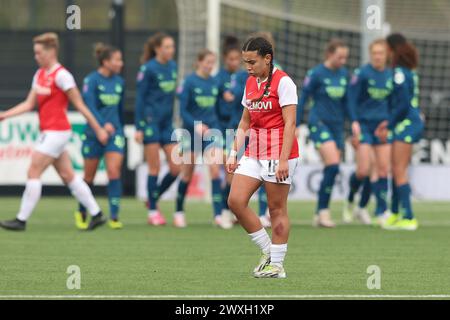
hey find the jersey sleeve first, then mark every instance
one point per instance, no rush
(399, 101)
(142, 86)
(64, 80)
(287, 92)
(185, 96)
(352, 93)
(309, 85)
(90, 98)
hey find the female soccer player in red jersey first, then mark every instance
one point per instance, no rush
(270, 105)
(52, 89)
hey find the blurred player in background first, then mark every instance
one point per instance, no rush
(270, 101)
(52, 89)
(198, 97)
(327, 85)
(155, 97)
(369, 92)
(225, 105)
(407, 126)
(103, 93)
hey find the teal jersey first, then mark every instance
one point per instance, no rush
(104, 97)
(155, 93)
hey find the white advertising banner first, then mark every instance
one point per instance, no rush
(17, 139)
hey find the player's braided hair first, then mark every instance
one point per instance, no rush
(263, 47)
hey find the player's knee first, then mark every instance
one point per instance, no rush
(67, 176)
(174, 169)
(276, 212)
(236, 203)
(113, 173)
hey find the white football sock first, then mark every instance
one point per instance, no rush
(81, 191)
(30, 198)
(262, 240)
(277, 253)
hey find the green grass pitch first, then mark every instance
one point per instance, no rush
(202, 260)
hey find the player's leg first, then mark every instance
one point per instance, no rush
(90, 171)
(33, 188)
(114, 162)
(174, 169)
(186, 174)
(243, 187)
(330, 155)
(380, 187)
(213, 156)
(80, 190)
(277, 195)
(401, 157)
(151, 154)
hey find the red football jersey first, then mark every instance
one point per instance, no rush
(52, 101)
(266, 118)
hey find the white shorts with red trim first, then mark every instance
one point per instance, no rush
(53, 143)
(264, 170)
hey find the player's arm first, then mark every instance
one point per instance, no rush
(352, 94)
(239, 141)
(309, 85)
(90, 99)
(142, 88)
(27, 105)
(184, 97)
(77, 101)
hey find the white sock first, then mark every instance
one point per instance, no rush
(152, 213)
(262, 240)
(277, 253)
(30, 198)
(81, 191)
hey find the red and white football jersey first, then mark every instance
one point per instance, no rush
(50, 87)
(266, 118)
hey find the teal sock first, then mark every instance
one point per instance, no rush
(166, 183)
(394, 200)
(114, 195)
(226, 194)
(380, 188)
(404, 196)
(326, 186)
(365, 193)
(262, 200)
(355, 183)
(152, 191)
(217, 196)
(181, 194)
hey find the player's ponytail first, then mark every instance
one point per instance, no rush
(152, 43)
(263, 47)
(103, 52)
(404, 52)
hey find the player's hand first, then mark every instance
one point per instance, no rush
(109, 128)
(228, 96)
(232, 164)
(102, 136)
(282, 172)
(201, 128)
(139, 136)
(382, 131)
(356, 134)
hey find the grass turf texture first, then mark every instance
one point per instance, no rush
(204, 260)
